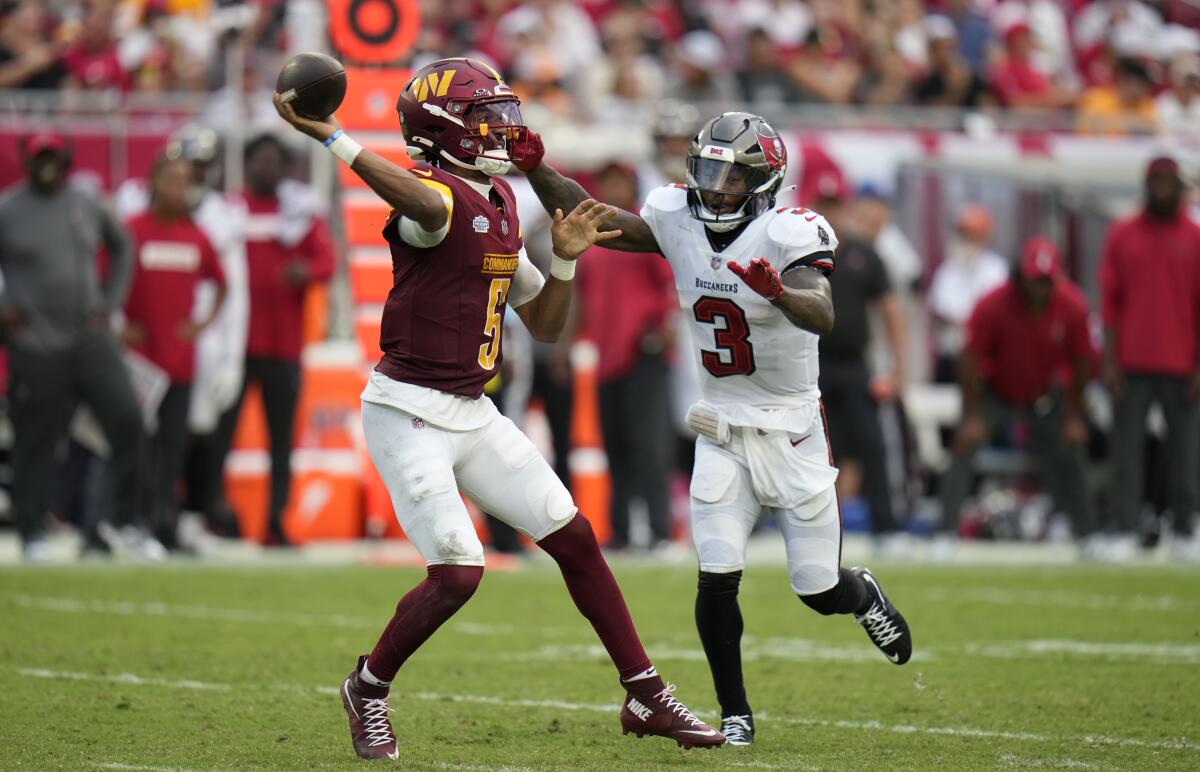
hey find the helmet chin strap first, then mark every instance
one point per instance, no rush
(722, 227)
(492, 166)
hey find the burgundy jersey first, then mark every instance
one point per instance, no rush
(443, 317)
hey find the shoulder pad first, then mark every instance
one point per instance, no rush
(668, 198)
(799, 231)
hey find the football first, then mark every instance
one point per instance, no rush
(314, 84)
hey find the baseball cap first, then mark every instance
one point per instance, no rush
(1039, 259)
(45, 142)
(1162, 164)
(1019, 28)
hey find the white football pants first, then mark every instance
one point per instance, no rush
(496, 466)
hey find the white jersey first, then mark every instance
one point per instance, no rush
(756, 368)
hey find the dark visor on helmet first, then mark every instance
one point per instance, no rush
(714, 176)
(493, 114)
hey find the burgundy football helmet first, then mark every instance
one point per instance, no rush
(461, 111)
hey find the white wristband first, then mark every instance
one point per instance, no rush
(563, 270)
(342, 146)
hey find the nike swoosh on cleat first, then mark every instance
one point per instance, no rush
(394, 754)
(698, 733)
(349, 700)
(895, 658)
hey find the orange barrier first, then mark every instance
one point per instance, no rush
(590, 483)
(326, 495)
(370, 102)
(370, 281)
(364, 222)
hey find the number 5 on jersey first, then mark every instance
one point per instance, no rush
(735, 352)
(492, 326)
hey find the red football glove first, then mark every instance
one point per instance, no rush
(760, 276)
(527, 151)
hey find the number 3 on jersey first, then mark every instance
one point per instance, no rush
(497, 293)
(735, 352)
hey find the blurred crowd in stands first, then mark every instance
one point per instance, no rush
(1010, 332)
(1123, 67)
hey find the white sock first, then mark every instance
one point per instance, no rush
(642, 676)
(372, 680)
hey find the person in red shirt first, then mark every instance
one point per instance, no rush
(1017, 82)
(171, 256)
(287, 249)
(1150, 300)
(628, 306)
(1020, 338)
(91, 61)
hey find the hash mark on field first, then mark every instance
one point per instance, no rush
(1180, 744)
(1009, 760)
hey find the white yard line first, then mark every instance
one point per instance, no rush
(251, 616)
(1059, 599)
(1021, 762)
(790, 649)
(1181, 744)
(1142, 652)
(119, 765)
(205, 613)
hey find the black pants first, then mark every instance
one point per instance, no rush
(279, 381)
(558, 401)
(1183, 450)
(1063, 470)
(854, 432)
(44, 391)
(635, 419)
(162, 464)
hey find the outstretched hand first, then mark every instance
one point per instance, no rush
(760, 276)
(581, 228)
(319, 130)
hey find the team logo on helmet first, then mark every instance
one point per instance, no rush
(823, 235)
(772, 147)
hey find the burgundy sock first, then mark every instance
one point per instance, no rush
(598, 598)
(421, 612)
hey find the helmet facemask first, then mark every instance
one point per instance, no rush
(488, 131)
(723, 194)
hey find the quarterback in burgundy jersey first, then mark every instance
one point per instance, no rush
(753, 280)
(458, 263)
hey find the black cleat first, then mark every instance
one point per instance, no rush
(884, 625)
(738, 730)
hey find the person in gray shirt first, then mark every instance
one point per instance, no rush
(55, 320)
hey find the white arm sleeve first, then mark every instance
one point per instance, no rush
(527, 282)
(414, 235)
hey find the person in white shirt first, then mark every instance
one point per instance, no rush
(971, 269)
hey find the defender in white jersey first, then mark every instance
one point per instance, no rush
(753, 280)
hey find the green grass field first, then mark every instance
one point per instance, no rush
(203, 667)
